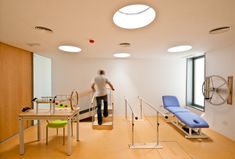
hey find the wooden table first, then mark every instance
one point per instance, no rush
(45, 114)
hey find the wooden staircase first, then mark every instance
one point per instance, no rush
(107, 123)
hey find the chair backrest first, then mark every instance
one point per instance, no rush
(170, 101)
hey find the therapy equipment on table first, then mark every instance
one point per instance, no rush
(59, 101)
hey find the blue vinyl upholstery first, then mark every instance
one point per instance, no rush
(170, 101)
(189, 118)
(192, 120)
(175, 110)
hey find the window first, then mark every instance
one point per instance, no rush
(195, 79)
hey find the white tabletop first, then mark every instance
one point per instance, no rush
(45, 112)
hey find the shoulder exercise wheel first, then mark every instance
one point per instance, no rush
(215, 90)
(74, 100)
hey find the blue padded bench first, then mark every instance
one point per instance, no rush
(192, 120)
(187, 121)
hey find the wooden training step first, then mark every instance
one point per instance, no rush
(105, 125)
(109, 118)
(107, 121)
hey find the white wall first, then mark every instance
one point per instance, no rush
(221, 118)
(131, 77)
(148, 78)
(41, 76)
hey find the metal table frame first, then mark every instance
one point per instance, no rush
(58, 114)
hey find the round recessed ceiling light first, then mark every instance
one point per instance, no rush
(180, 48)
(69, 48)
(134, 16)
(220, 30)
(121, 55)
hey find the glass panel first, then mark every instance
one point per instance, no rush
(189, 95)
(199, 73)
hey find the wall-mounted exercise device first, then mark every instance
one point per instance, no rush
(217, 90)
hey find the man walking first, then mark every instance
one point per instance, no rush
(99, 86)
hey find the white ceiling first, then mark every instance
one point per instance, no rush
(77, 21)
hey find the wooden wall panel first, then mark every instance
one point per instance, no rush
(16, 87)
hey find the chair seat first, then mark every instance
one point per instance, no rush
(57, 124)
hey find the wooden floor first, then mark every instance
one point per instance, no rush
(113, 144)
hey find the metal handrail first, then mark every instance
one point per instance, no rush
(157, 115)
(130, 107)
(111, 101)
(93, 98)
(142, 100)
(133, 116)
(92, 108)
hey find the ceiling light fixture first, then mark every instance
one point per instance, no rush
(121, 55)
(134, 16)
(220, 30)
(43, 29)
(180, 48)
(125, 44)
(69, 48)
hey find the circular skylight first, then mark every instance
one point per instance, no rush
(121, 55)
(134, 16)
(180, 48)
(69, 48)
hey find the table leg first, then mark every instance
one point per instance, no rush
(69, 137)
(50, 106)
(78, 127)
(21, 135)
(36, 107)
(39, 130)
